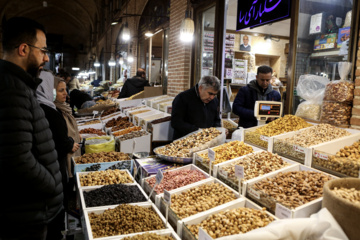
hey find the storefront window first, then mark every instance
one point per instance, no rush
(205, 57)
(324, 26)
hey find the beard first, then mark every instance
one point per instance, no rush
(33, 67)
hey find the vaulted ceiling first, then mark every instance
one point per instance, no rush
(69, 23)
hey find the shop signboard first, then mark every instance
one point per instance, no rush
(260, 12)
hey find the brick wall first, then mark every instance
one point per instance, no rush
(355, 118)
(179, 52)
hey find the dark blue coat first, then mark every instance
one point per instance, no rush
(189, 113)
(245, 99)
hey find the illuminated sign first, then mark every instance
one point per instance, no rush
(251, 13)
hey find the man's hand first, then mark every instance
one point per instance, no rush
(75, 147)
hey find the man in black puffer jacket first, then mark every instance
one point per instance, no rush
(30, 179)
(134, 85)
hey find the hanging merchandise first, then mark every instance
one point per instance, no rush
(339, 94)
(312, 89)
(239, 71)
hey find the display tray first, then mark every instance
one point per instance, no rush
(156, 197)
(103, 165)
(325, 159)
(167, 232)
(102, 209)
(186, 234)
(173, 217)
(214, 142)
(136, 118)
(78, 174)
(89, 189)
(233, 182)
(204, 165)
(274, 206)
(295, 152)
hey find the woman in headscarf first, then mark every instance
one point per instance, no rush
(63, 143)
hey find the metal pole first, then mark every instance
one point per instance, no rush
(150, 53)
(223, 59)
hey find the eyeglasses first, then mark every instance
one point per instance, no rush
(44, 50)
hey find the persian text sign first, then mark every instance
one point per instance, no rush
(258, 12)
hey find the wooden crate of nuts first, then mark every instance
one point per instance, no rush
(340, 157)
(295, 192)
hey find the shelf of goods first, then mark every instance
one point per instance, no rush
(255, 166)
(339, 157)
(223, 153)
(237, 213)
(263, 136)
(294, 192)
(100, 178)
(173, 180)
(104, 159)
(111, 195)
(298, 145)
(125, 220)
(200, 197)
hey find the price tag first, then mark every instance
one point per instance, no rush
(299, 149)
(211, 155)
(239, 171)
(159, 177)
(223, 173)
(282, 211)
(321, 155)
(254, 193)
(203, 235)
(95, 112)
(167, 197)
(264, 138)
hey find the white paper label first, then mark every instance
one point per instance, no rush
(95, 112)
(264, 138)
(321, 155)
(167, 197)
(239, 171)
(299, 149)
(282, 211)
(198, 158)
(223, 173)
(203, 235)
(159, 176)
(211, 155)
(254, 193)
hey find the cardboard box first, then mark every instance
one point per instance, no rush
(194, 220)
(143, 121)
(150, 92)
(325, 41)
(161, 131)
(143, 144)
(100, 210)
(343, 35)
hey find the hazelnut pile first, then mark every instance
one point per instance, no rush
(227, 151)
(105, 178)
(350, 194)
(230, 222)
(291, 189)
(124, 219)
(200, 199)
(335, 113)
(102, 157)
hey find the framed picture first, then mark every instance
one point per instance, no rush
(245, 42)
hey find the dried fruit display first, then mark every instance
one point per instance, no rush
(102, 157)
(92, 131)
(127, 130)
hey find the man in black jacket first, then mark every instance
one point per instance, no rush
(30, 179)
(134, 85)
(196, 108)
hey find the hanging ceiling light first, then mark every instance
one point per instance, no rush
(96, 63)
(45, 4)
(121, 60)
(130, 58)
(149, 33)
(187, 27)
(91, 71)
(112, 62)
(114, 22)
(126, 33)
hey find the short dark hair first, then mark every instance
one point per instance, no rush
(19, 30)
(264, 69)
(210, 81)
(140, 72)
(65, 75)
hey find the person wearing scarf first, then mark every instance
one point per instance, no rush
(63, 144)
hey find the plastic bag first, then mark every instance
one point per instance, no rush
(309, 110)
(100, 144)
(312, 88)
(335, 113)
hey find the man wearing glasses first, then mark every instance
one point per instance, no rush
(196, 108)
(30, 179)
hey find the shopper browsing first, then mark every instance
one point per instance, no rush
(258, 89)
(30, 177)
(196, 108)
(134, 85)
